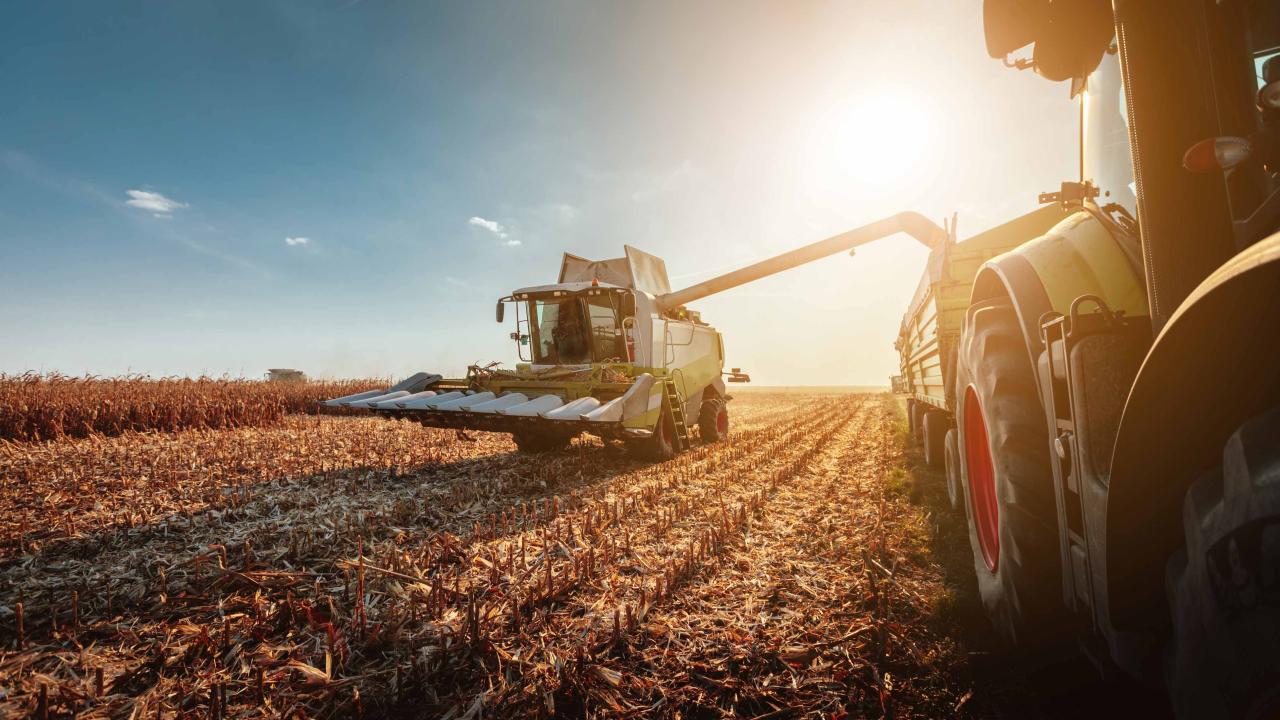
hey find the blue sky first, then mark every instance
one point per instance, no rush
(346, 187)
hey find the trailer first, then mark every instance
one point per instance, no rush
(929, 336)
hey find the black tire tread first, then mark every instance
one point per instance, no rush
(1023, 598)
(652, 448)
(951, 463)
(935, 432)
(1222, 657)
(708, 412)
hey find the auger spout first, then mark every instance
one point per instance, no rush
(912, 223)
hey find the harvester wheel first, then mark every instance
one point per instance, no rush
(659, 446)
(951, 454)
(1008, 484)
(713, 420)
(1224, 584)
(533, 441)
(935, 432)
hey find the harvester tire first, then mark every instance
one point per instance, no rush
(951, 455)
(935, 432)
(1007, 485)
(713, 420)
(658, 447)
(1224, 584)
(532, 441)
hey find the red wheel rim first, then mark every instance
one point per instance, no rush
(722, 422)
(982, 481)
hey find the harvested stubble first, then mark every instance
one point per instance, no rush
(771, 573)
(36, 407)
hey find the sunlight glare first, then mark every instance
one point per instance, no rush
(874, 139)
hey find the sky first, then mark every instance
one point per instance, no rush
(346, 187)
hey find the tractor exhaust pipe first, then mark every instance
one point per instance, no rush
(912, 223)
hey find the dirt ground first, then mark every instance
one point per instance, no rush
(337, 567)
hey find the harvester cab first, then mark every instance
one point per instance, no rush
(610, 350)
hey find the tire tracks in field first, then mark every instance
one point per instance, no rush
(674, 558)
(805, 614)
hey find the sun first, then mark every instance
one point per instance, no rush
(879, 138)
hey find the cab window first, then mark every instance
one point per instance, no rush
(558, 332)
(605, 328)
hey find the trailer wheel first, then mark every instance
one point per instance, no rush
(951, 455)
(533, 441)
(917, 422)
(659, 446)
(1224, 584)
(1007, 483)
(935, 432)
(713, 420)
(911, 418)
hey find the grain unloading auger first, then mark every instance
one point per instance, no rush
(609, 350)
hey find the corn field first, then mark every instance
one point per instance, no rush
(357, 567)
(36, 407)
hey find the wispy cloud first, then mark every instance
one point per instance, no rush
(296, 241)
(492, 226)
(563, 212)
(155, 203)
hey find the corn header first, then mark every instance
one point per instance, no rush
(610, 350)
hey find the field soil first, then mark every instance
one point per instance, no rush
(357, 567)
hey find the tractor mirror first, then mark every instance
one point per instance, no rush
(1070, 38)
(502, 307)
(1011, 24)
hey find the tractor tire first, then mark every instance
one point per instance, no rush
(935, 433)
(713, 420)
(1224, 584)
(917, 423)
(1007, 484)
(535, 441)
(951, 455)
(658, 447)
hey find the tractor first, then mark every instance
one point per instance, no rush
(1104, 389)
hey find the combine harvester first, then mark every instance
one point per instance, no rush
(609, 350)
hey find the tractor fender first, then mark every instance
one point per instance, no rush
(1079, 256)
(1212, 367)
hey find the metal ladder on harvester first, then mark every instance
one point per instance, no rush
(677, 414)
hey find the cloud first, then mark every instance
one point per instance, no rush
(563, 212)
(296, 241)
(512, 242)
(155, 203)
(491, 225)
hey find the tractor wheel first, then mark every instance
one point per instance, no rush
(935, 431)
(1008, 485)
(713, 420)
(658, 447)
(535, 441)
(951, 454)
(1224, 584)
